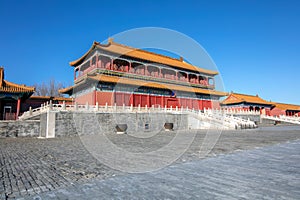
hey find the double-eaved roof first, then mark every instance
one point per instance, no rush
(151, 84)
(123, 50)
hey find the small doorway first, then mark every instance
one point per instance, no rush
(7, 112)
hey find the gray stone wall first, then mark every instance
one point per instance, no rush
(20, 128)
(70, 123)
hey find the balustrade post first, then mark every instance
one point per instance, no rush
(123, 107)
(50, 105)
(97, 106)
(176, 108)
(131, 107)
(139, 107)
(115, 107)
(64, 105)
(106, 107)
(87, 106)
(146, 107)
(30, 110)
(76, 106)
(165, 108)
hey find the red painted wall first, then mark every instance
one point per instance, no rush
(276, 112)
(143, 99)
(104, 97)
(83, 99)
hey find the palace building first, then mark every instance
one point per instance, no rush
(285, 109)
(247, 103)
(11, 96)
(115, 74)
(16, 99)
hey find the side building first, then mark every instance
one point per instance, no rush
(247, 102)
(285, 109)
(12, 95)
(117, 74)
(15, 99)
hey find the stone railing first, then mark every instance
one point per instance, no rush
(95, 108)
(227, 117)
(221, 116)
(283, 118)
(239, 111)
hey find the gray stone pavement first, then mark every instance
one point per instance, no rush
(266, 173)
(31, 166)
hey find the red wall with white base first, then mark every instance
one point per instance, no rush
(143, 99)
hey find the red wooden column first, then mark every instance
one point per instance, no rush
(113, 98)
(97, 61)
(131, 99)
(129, 67)
(95, 97)
(18, 107)
(148, 100)
(146, 70)
(111, 64)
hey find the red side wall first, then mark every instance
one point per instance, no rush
(105, 97)
(83, 99)
(277, 112)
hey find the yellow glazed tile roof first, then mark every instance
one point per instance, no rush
(9, 87)
(283, 106)
(235, 98)
(14, 88)
(144, 55)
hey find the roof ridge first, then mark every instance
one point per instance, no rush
(286, 104)
(246, 94)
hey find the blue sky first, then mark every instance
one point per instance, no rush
(255, 44)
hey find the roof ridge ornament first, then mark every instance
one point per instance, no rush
(110, 40)
(1, 76)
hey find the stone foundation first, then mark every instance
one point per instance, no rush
(71, 123)
(29, 128)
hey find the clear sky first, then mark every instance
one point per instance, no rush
(255, 44)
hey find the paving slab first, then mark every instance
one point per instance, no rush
(271, 172)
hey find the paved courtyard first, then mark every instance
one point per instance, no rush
(62, 168)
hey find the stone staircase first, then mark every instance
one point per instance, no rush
(219, 120)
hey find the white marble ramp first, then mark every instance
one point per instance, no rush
(271, 172)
